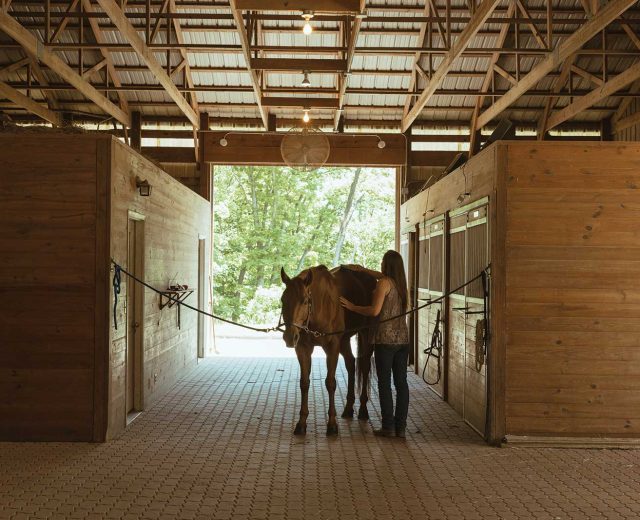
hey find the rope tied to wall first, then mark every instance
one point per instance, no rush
(119, 269)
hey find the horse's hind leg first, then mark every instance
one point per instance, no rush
(333, 351)
(304, 359)
(350, 364)
(364, 374)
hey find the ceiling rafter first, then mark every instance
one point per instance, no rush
(423, 37)
(610, 87)
(353, 31)
(246, 51)
(33, 46)
(502, 38)
(29, 104)
(106, 55)
(479, 17)
(112, 9)
(570, 46)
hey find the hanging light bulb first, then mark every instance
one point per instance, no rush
(307, 29)
(306, 117)
(305, 80)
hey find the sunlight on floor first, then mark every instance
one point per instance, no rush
(234, 341)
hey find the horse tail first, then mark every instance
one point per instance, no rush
(364, 362)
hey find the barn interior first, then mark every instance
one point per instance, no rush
(513, 129)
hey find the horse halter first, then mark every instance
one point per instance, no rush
(305, 327)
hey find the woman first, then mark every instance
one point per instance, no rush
(391, 346)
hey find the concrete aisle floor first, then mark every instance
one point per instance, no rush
(219, 445)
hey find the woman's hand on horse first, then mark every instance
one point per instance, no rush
(346, 303)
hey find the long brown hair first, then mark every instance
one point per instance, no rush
(393, 267)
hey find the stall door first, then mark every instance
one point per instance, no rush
(469, 246)
(456, 306)
(431, 256)
(475, 391)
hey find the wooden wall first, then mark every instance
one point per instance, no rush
(174, 220)
(49, 252)
(573, 289)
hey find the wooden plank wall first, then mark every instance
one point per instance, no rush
(175, 218)
(573, 289)
(48, 196)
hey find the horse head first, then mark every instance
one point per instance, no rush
(296, 304)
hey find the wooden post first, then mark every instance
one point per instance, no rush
(273, 123)
(606, 130)
(204, 168)
(136, 131)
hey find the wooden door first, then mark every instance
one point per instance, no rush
(135, 314)
(475, 385)
(431, 249)
(407, 251)
(201, 295)
(456, 332)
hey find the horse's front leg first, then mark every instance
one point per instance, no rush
(350, 364)
(332, 349)
(303, 352)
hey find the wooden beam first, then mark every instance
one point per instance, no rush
(598, 82)
(112, 9)
(572, 44)
(505, 74)
(204, 168)
(531, 23)
(298, 65)
(111, 70)
(477, 20)
(264, 149)
(136, 130)
(29, 104)
(300, 102)
(185, 60)
(559, 83)
(620, 81)
(415, 69)
(97, 67)
(246, 51)
(343, 79)
(627, 122)
(14, 66)
(316, 6)
(169, 154)
(42, 81)
(474, 141)
(33, 46)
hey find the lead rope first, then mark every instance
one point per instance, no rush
(116, 291)
(436, 345)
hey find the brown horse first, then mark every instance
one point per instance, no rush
(310, 303)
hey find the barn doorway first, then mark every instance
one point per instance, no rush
(135, 317)
(268, 217)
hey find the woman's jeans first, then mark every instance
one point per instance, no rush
(393, 359)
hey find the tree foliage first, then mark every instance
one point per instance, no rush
(266, 218)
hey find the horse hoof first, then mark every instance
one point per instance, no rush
(332, 429)
(347, 414)
(300, 430)
(363, 415)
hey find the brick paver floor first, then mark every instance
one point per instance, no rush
(219, 445)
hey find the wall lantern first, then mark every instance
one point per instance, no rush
(143, 187)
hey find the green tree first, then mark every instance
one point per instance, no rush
(266, 218)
